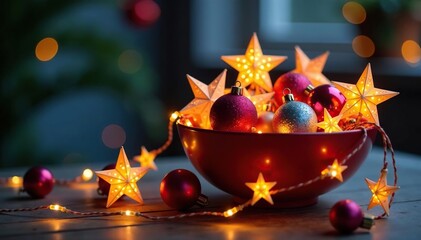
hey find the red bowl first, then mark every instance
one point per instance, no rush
(230, 159)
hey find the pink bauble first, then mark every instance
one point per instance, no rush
(264, 122)
(296, 82)
(38, 182)
(233, 112)
(346, 216)
(326, 96)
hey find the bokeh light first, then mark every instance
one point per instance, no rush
(113, 136)
(87, 174)
(363, 46)
(411, 51)
(46, 49)
(129, 61)
(354, 13)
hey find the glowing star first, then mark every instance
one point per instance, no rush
(261, 189)
(363, 98)
(123, 179)
(381, 192)
(330, 124)
(313, 68)
(204, 97)
(334, 171)
(254, 67)
(260, 101)
(146, 159)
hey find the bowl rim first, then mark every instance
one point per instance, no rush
(270, 134)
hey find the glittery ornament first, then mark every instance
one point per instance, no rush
(346, 216)
(233, 112)
(325, 96)
(264, 122)
(181, 189)
(294, 117)
(38, 182)
(296, 82)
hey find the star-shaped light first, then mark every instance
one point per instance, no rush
(146, 159)
(123, 179)
(381, 192)
(204, 97)
(330, 124)
(259, 100)
(313, 68)
(363, 98)
(253, 66)
(334, 171)
(261, 189)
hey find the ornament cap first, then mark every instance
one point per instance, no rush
(368, 221)
(237, 90)
(202, 201)
(308, 89)
(288, 96)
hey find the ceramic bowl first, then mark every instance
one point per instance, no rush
(230, 159)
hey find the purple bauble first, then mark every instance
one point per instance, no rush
(233, 112)
(38, 182)
(180, 189)
(296, 82)
(326, 96)
(346, 216)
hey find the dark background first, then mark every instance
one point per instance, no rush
(56, 111)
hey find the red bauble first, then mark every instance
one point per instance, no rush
(103, 186)
(326, 96)
(233, 112)
(143, 13)
(181, 189)
(264, 122)
(38, 182)
(346, 216)
(296, 82)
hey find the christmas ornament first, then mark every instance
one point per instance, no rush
(363, 98)
(103, 186)
(346, 216)
(294, 117)
(296, 82)
(381, 192)
(38, 182)
(330, 124)
(142, 13)
(233, 112)
(181, 189)
(253, 66)
(264, 122)
(313, 68)
(327, 97)
(204, 97)
(123, 179)
(146, 159)
(261, 189)
(334, 171)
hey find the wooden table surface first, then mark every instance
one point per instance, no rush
(252, 223)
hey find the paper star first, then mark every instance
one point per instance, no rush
(146, 159)
(334, 171)
(313, 68)
(261, 189)
(363, 98)
(259, 100)
(204, 97)
(254, 67)
(330, 124)
(381, 192)
(123, 179)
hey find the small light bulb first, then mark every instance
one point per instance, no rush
(15, 181)
(230, 212)
(87, 174)
(174, 116)
(129, 213)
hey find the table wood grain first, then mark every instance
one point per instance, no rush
(252, 223)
